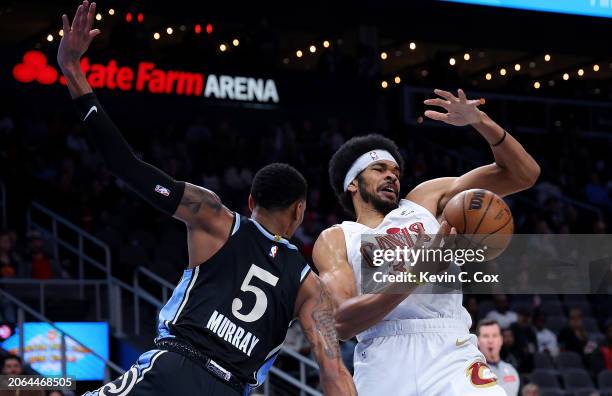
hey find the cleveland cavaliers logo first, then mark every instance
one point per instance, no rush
(480, 375)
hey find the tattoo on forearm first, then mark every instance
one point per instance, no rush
(322, 335)
(195, 197)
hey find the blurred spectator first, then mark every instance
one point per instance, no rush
(596, 192)
(510, 353)
(574, 337)
(490, 344)
(547, 340)
(471, 305)
(601, 358)
(502, 314)
(10, 262)
(524, 336)
(39, 265)
(530, 390)
(13, 365)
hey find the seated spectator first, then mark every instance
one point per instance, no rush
(524, 336)
(512, 354)
(547, 340)
(39, 265)
(13, 365)
(10, 262)
(530, 390)
(490, 344)
(574, 337)
(601, 358)
(502, 314)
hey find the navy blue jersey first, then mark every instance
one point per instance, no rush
(236, 307)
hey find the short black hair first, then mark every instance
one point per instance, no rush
(12, 357)
(352, 149)
(487, 322)
(276, 186)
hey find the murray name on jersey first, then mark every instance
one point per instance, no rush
(228, 331)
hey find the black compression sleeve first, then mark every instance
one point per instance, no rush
(155, 186)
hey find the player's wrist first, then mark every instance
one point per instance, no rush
(479, 118)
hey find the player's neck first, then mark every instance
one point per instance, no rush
(369, 216)
(272, 223)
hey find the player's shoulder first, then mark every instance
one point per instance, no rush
(329, 244)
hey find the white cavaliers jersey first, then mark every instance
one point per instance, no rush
(408, 218)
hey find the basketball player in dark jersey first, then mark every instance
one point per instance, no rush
(225, 322)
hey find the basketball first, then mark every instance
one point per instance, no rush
(482, 220)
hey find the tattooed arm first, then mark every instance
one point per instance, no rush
(316, 314)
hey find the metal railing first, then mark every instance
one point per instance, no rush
(23, 308)
(304, 363)
(136, 284)
(3, 220)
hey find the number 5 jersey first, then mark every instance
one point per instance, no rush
(237, 306)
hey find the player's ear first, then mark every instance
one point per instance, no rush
(251, 203)
(353, 187)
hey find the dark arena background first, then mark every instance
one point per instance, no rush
(211, 95)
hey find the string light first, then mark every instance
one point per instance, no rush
(50, 38)
(502, 72)
(98, 17)
(326, 44)
(397, 79)
(111, 11)
(61, 33)
(312, 49)
(580, 72)
(383, 55)
(384, 84)
(156, 36)
(488, 76)
(235, 42)
(536, 85)
(412, 46)
(169, 30)
(197, 28)
(517, 67)
(551, 83)
(466, 56)
(223, 47)
(595, 68)
(128, 17)
(547, 58)
(566, 76)
(140, 17)
(299, 53)
(452, 61)
(532, 65)
(209, 28)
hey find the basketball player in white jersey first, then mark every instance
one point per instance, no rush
(410, 344)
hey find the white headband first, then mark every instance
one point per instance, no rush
(364, 161)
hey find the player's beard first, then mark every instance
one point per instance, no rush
(381, 205)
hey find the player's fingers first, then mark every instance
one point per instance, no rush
(449, 240)
(93, 34)
(436, 115)
(438, 102)
(462, 97)
(441, 234)
(65, 24)
(90, 16)
(446, 95)
(420, 240)
(78, 19)
(476, 102)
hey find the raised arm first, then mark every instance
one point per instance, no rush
(199, 208)
(514, 168)
(356, 313)
(315, 310)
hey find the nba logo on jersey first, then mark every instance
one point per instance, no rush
(162, 190)
(374, 155)
(273, 251)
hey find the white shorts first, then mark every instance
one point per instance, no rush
(422, 357)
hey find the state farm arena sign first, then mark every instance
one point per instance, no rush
(146, 77)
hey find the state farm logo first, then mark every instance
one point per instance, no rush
(34, 67)
(146, 77)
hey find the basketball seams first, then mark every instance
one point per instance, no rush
(483, 215)
(463, 211)
(496, 231)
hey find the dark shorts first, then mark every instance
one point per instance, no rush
(160, 372)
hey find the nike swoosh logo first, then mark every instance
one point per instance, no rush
(93, 108)
(459, 343)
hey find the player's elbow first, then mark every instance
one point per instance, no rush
(530, 175)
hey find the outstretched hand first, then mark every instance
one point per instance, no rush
(459, 110)
(77, 36)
